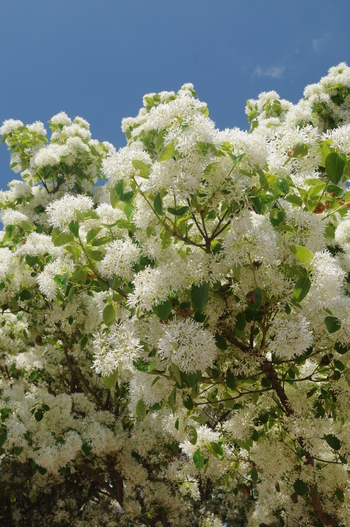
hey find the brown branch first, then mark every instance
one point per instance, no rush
(221, 230)
(72, 361)
(213, 234)
(271, 374)
(240, 394)
(101, 482)
(91, 392)
(72, 375)
(235, 342)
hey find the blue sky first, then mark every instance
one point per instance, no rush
(97, 58)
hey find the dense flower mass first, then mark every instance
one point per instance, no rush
(175, 342)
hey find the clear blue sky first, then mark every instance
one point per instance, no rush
(96, 58)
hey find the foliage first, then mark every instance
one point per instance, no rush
(174, 342)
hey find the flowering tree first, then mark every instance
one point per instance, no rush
(174, 342)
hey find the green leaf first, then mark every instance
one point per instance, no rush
(283, 185)
(265, 382)
(254, 298)
(167, 152)
(325, 149)
(295, 200)
(254, 474)
(338, 364)
(330, 231)
(109, 380)
(96, 255)
(152, 365)
(114, 197)
(3, 437)
(31, 260)
(38, 415)
(172, 399)
(191, 379)
(100, 241)
(109, 314)
(74, 228)
(333, 324)
(88, 215)
(340, 348)
(27, 227)
(139, 165)
(216, 448)
(79, 276)
(188, 403)
(156, 379)
(300, 150)
(33, 375)
(142, 167)
(158, 205)
(192, 432)
(128, 210)
(230, 380)
(9, 232)
(340, 495)
(220, 342)
(334, 165)
(61, 280)
(198, 459)
(244, 444)
(300, 487)
(199, 295)
(25, 294)
(301, 253)
(141, 409)
(92, 234)
(163, 310)
(70, 295)
(301, 288)
(72, 249)
(159, 142)
(176, 372)
(240, 322)
(178, 212)
(14, 304)
(333, 441)
(18, 450)
(62, 238)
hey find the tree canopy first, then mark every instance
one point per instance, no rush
(174, 340)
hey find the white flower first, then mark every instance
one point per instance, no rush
(119, 165)
(50, 155)
(142, 387)
(5, 262)
(9, 125)
(115, 350)
(119, 258)
(63, 211)
(37, 244)
(45, 279)
(188, 345)
(327, 279)
(342, 234)
(82, 122)
(289, 336)
(37, 127)
(61, 118)
(250, 234)
(12, 217)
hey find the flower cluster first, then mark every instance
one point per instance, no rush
(174, 344)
